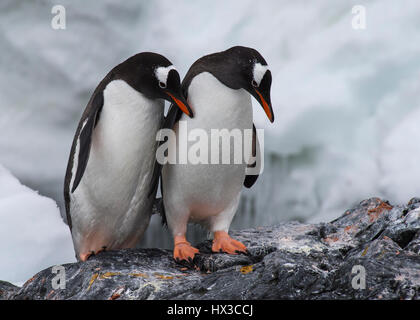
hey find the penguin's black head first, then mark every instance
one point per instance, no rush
(251, 72)
(154, 76)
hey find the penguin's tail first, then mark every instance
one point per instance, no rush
(159, 208)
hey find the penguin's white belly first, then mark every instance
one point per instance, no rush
(110, 206)
(204, 191)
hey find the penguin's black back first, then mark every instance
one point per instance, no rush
(130, 71)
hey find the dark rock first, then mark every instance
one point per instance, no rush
(414, 244)
(7, 290)
(370, 252)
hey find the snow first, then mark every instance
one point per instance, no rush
(401, 163)
(32, 234)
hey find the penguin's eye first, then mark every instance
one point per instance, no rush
(162, 84)
(254, 83)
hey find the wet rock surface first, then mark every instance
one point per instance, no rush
(372, 251)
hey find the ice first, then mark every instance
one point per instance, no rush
(32, 234)
(402, 160)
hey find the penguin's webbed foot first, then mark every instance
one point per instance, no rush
(222, 242)
(183, 251)
(87, 255)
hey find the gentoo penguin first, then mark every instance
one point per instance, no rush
(113, 153)
(218, 87)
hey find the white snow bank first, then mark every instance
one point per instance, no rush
(32, 234)
(402, 158)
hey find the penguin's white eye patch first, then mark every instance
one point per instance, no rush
(161, 74)
(258, 73)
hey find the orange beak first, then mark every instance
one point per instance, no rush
(267, 108)
(182, 105)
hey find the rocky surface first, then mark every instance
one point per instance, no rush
(370, 252)
(7, 290)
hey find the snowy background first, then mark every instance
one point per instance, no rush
(347, 104)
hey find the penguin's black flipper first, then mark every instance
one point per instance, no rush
(250, 179)
(85, 136)
(174, 114)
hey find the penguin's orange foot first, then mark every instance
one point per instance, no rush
(183, 250)
(85, 256)
(222, 242)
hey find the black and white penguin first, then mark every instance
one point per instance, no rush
(113, 154)
(218, 87)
